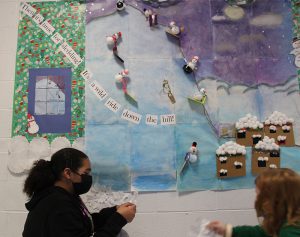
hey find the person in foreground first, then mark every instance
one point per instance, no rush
(55, 207)
(277, 207)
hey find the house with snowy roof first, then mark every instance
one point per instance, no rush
(280, 127)
(231, 160)
(249, 131)
(265, 154)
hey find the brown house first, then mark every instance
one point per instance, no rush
(249, 131)
(249, 137)
(231, 166)
(265, 154)
(283, 134)
(262, 160)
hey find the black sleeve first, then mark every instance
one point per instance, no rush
(112, 227)
(68, 221)
(101, 217)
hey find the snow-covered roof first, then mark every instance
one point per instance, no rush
(287, 128)
(223, 171)
(263, 158)
(278, 118)
(267, 144)
(281, 138)
(249, 121)
(231, 148)
(236, 163)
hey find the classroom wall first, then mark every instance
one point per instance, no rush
(158, 214)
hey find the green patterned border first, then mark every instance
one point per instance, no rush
(36, 50)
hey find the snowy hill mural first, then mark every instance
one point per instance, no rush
(244, 66)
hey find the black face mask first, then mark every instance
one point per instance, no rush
(85, 184)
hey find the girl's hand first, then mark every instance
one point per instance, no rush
(127, 210)
(218, 227)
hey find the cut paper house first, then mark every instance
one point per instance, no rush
(249, 131)
(231, 160)
(265, 154)
(280, 127)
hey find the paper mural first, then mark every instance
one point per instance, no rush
(137, 140)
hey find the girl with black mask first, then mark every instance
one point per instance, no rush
(55, 208)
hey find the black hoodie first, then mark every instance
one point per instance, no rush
(55, 212)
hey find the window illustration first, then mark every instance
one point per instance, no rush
(49, 95)
(49, 99)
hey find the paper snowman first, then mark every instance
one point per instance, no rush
(112, 40)
(120, 78)
(199, 96)
(174, 28)
(191, 65)
(33, 127)
(120, 5)
(193, 153)
(148, 13)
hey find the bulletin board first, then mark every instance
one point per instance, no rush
(134, 102)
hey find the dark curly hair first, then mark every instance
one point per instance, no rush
(44, 173)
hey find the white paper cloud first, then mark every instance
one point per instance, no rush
(59, 143)
(23, 154)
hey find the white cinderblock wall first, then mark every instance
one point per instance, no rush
(159, 214)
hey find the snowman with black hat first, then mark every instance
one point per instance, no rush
(120, 5)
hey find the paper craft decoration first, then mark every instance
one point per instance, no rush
(191, 65)
(231, 160)
(51, 42)
(120, 5)
(167, 90)
(229, 82)
(32, 125)
(265, 154)
(249, 131)
(280, 127)
(122, 77)
(112, 42)
(190, 157)
(199, 97)
(173, 29)
(49, 99)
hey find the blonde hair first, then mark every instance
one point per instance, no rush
(278, 199)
